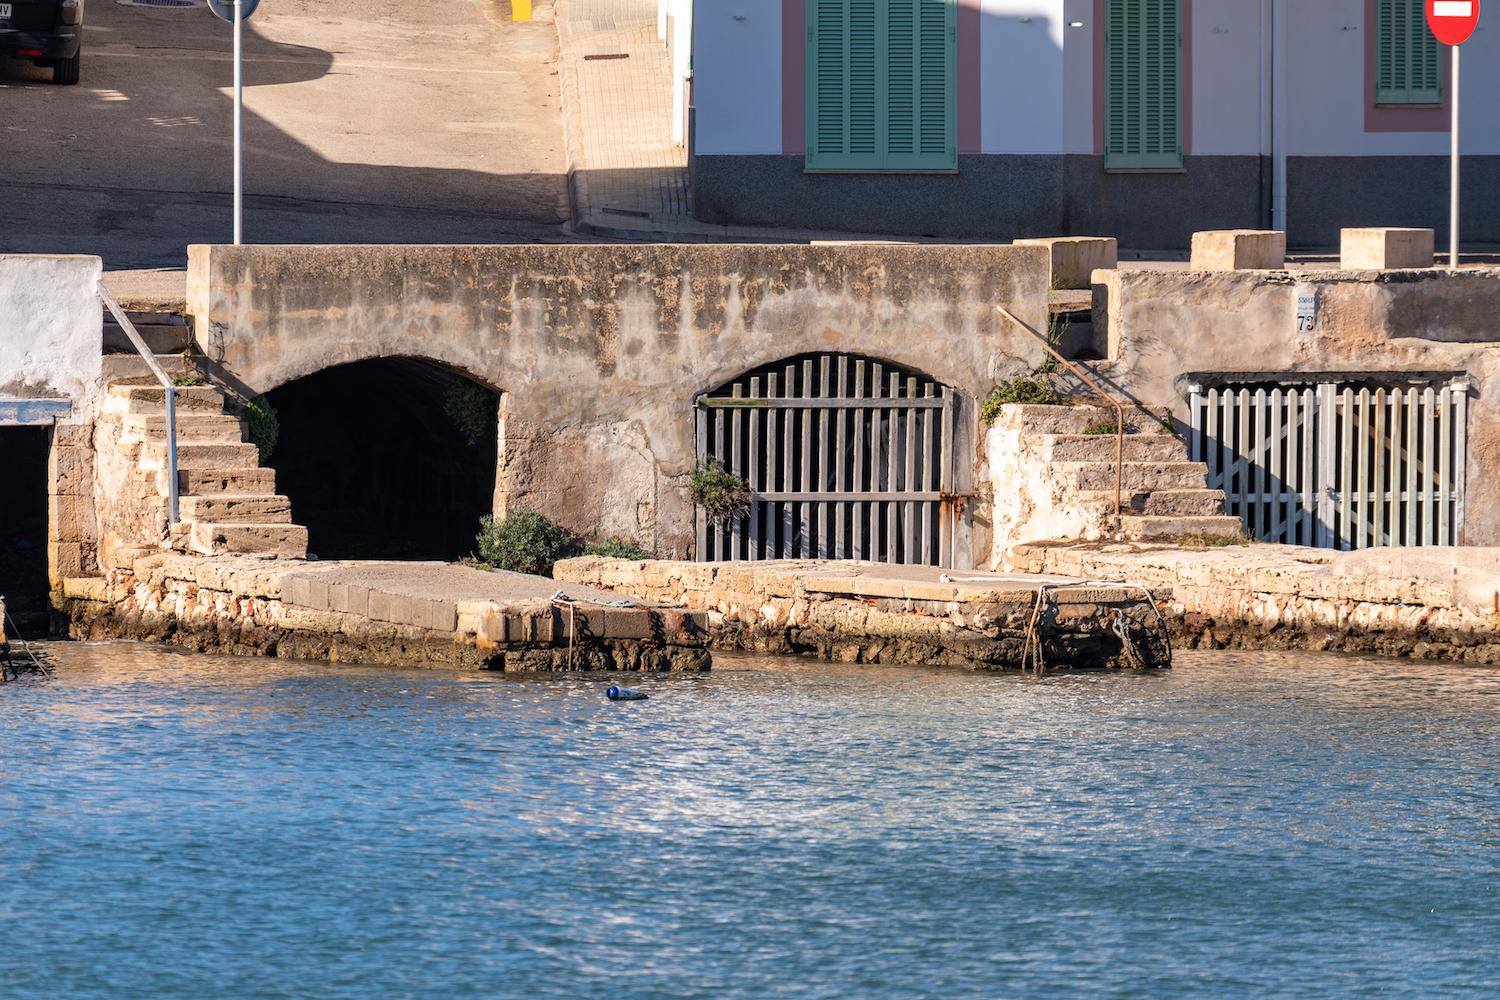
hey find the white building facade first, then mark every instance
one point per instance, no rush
(1141, 119)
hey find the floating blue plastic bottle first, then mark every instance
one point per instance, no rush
(625, 694)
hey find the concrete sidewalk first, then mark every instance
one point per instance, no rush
(626, 171)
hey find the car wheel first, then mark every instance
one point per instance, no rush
(65, 71)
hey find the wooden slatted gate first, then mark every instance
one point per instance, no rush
(1344, 465)
(846, 457)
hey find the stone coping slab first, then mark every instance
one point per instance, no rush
(497, 606)
(848, 578)
(1466, 579)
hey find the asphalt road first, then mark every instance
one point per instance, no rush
(365, 121)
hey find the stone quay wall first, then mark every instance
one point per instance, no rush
(1424, 603)
(252, 607)
(856, 612)
(599, 351)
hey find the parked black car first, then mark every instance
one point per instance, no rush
(48, 32)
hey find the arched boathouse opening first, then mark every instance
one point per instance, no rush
(390, 458)
(845, 457)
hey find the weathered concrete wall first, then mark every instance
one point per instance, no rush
(51, 337)
(50, 329)
(1166, 328)
(600, 350)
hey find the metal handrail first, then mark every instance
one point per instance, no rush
(166, 382)
(1119, 414)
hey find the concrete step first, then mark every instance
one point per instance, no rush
(1146, 421)
(1101, 448)
(1136, 527)
(151, 399)
(132, 368)
(201, 455)
(216, 482)
(1138, 477)
(1162, 503)
(190, 426)
(273, 541)
(237, 508)
(164, 333)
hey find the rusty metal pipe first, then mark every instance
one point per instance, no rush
(1119, 414)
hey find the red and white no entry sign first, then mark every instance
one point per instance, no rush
(1453, 21)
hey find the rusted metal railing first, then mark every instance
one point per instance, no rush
(1119, 411)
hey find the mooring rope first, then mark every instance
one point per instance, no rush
(26, 646)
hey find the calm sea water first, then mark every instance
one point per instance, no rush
(1289, 824)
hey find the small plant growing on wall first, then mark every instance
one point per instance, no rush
(617, 548)
(263, 424)
(723, 496)
(1036, 391)
(1107, 427)
(471, 408)
(524, 542)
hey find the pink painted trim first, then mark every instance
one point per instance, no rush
(1395, 119)
(1187, 77)
(1186, 68)
(1099, 59)
(794, 76)
(970, 85)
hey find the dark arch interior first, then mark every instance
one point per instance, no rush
(23, 528)
(392, 458)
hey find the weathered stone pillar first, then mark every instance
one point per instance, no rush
(1239, 250)
(1385, 249)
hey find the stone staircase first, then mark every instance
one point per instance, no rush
(1053, 482)
(228, 502)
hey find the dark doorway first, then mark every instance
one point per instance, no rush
(23, 528)
(392, 458)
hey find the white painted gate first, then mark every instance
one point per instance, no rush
(846, 458)
(1344, 465)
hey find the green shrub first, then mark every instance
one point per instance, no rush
(1107, 427)
(264, 425)
(723, 496)
(1020, 390)
(525, 542)
(183, 381)
(471, 408)
(617, 548)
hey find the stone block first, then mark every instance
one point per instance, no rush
(64, 560)
(441, 616)
(71, 519)
(380, 606)
(1075, 258)
(1239, 250)
(625, 623)
(70, 470)
(1386, 249)
(72, 436)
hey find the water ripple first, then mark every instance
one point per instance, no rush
(1297, 824)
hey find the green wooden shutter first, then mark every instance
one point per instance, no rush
(881, 85)
(1143, 84)
(1409, 67)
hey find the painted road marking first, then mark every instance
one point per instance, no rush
(1453, 8)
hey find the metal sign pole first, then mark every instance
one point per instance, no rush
(239, 101)
(1453, 189)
